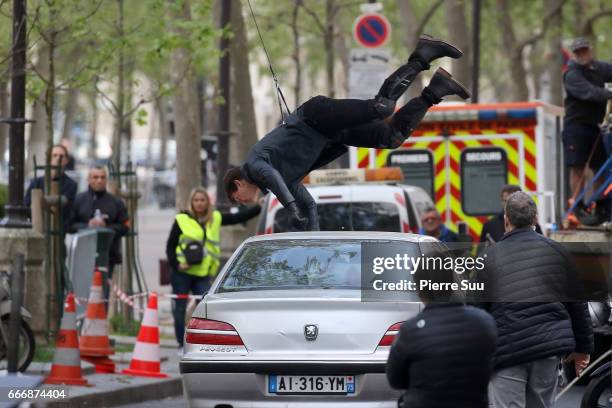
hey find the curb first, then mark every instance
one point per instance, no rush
(133, 394)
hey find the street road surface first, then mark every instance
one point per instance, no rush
(569, 400)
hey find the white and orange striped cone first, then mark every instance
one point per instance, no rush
(66, 368)
(94, 343)
(146, 359)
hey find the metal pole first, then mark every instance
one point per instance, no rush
(476, 46)
(16, 215)
(609, 396)
(15, 319)
(224, 117)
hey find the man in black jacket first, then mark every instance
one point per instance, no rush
(321, 129)
(585, 107)
(443, 357)
(494, 229)
(530, 289)
(97, 208)
(68, 187)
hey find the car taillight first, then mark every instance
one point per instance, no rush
(389, 336)
(204, 331)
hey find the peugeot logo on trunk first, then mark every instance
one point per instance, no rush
(311, 331)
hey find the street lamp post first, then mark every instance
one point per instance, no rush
(224, 113)
(476, 5)
(16, 216)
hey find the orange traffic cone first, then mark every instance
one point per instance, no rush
(145, 359)
(66, 368)
(94, 342)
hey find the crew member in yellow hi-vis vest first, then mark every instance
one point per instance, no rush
(193, 250)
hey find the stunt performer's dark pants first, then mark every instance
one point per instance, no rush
(355, 122)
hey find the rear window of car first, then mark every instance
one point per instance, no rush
(328, 264)
(306, 264)
(347, 216)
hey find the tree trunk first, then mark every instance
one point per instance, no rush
(70, 108)
(164, 131)
(120, 99)
(555, 57)
(242, 117)
(520, 91)
(297, 63)
(410, 37)
(50, 103)
(38, 129)
(93, 129)
(242, 106)
(4, 113)
(458, 32)
(184, 106)
(343, 53)
(330, 52)
(538, 67)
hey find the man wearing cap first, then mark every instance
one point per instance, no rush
(585, 107)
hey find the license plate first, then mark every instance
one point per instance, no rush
(308, 384)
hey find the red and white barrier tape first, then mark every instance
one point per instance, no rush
(129, 299)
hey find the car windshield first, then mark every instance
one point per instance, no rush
(347, 216)
(295, 264)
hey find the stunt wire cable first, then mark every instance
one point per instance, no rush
(279, 92)
(586, 370)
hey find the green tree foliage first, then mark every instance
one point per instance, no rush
(580, 17)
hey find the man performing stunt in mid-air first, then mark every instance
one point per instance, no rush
(320, 130)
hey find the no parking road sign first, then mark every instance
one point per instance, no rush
(372, 30)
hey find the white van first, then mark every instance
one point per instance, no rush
(354, 200)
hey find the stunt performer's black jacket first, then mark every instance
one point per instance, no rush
(280, 161)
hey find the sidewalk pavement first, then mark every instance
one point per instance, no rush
(116, 389)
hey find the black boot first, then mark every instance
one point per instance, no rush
(427, 50)
(442, 84)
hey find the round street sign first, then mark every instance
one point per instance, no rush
(371, 30)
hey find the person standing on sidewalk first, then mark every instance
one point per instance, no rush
(529, 280)
(97, 208)
(193, 250)
(68, 187)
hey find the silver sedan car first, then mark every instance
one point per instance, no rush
(284, 325)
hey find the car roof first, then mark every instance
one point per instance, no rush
(335, 187)
(355, 235)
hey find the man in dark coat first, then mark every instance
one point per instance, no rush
(68, 187)
(443, 357)
(494, 229)
(531, 290)
(585, 107)
(97, 208)
(320, 130)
